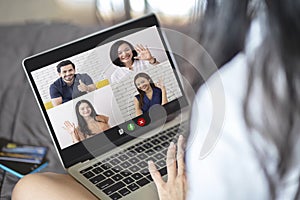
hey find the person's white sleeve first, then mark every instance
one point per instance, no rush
(220, 161)
(119, 74)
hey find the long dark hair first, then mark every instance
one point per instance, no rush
(142, 93)
(83, 126)
(223, 30)
(278, 61)
(114, 52)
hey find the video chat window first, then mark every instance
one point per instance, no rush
(101, 88)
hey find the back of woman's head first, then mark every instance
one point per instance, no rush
(275, 68)
(223, 29)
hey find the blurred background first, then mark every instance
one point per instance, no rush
(93, 12)
(71, 19)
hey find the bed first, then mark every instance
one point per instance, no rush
(20, 118)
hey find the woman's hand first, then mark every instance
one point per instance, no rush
(176, 186)
(70, 127)
(143, 53)
(160, 84)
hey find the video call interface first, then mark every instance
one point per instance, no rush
(92, 92)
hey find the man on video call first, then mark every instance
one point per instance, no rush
(70, 85)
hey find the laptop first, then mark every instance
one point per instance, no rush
(108, 155)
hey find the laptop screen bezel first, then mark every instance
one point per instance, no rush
(79, 153)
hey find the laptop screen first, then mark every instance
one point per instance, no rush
(101, 97)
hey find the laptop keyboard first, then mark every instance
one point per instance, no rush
(127, 171)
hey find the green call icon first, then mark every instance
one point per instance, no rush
(130, 127)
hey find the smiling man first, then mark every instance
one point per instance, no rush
(70, 85)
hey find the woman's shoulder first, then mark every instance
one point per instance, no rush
(156, 89)
(138, 96)
(139, 65)
(102, 118)
(119, 74)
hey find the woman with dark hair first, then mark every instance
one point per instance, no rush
(129, 58)
(256, 154)
(149, 93)
(89, 122)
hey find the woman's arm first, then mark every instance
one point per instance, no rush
(175, 187)
(102, 118)
(153, 61)
(164, 98)
(138, 110)
(145, 54)
(76, 135)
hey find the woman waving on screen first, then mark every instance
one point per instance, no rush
(149, 93)
(89, 122)
(129, 59)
